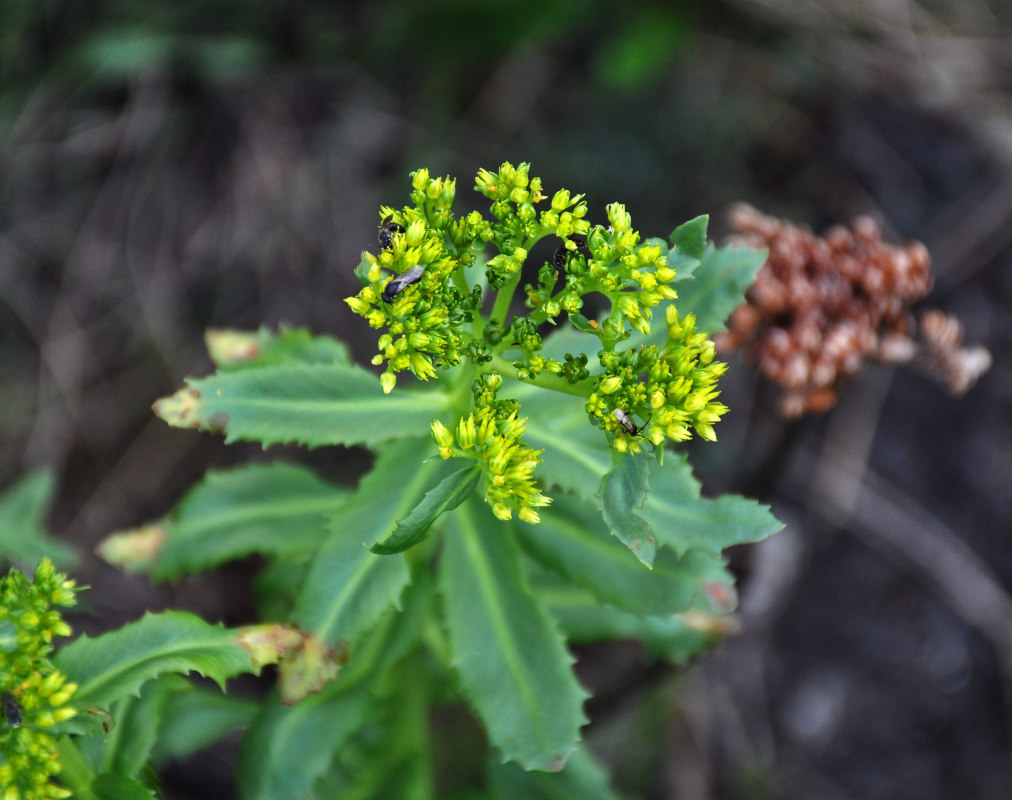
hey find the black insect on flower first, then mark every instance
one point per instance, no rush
(387, 230)
(12, 710)
(625, 421)
(561, 254)
(399, 283)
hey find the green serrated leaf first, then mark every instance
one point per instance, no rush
(117, 664)
(386, 776)
(119, 787)
(23, 538)
(573, 541)
(198, 718)
(685, 521)
(718, 286)
(232, 349)
(624, 490)
(582, 778)
(586, 621)
(348, 587)
(394, 761)
(689, 238)
(288, 747)
(446, 496)
(513, 662)
(138, 723)
(312, 405)
(274, 509)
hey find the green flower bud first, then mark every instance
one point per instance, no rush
(449, 191)
(519, 196)
(561, 200)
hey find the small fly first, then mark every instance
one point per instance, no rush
(625, 421)
(399, 283)
(12, 710)
(631, 427)
(387, 231)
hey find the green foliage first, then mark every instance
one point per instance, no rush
(230, 514)
(448, 494)
(623, 489)
(512, 659)
(525, 499)
(581, 778)
(308, 404)
(23, 539)
(719, 283)
(139, 720)
(575, 544)
(197, 718)
(117, 664)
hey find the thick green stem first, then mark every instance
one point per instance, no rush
(503, 299)
(545, 380)
(413, 728)
(505, 294)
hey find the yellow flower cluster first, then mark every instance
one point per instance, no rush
(34, 692)
(418, 303)
(507, 463)
(678, 394)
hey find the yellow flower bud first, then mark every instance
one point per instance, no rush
(415, 233)
(529, 515)
(706, 431)
(441, 434)
(502, 511)
(610, 384)
(466, 432)
(519, 196)
(629, 306)
(420, 179)
(422, 366)
(358, 305)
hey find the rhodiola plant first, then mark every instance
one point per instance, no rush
(527, 494)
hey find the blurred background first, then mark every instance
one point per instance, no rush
(174, 165)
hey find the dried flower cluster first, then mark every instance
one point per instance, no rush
(820, 306)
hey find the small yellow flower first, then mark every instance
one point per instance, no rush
(35, 694)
